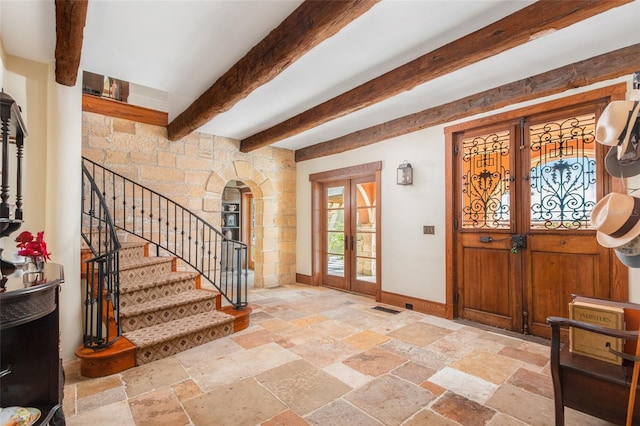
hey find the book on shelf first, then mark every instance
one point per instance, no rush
(592, 344)
(631, 316)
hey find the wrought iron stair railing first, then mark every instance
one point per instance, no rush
(101, 271)
(175, 230)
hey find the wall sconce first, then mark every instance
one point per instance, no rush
(405, 174)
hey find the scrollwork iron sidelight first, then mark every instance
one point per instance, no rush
(562, 173)
(486, 181)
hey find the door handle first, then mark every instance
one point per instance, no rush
(519, 241)
(352, 242)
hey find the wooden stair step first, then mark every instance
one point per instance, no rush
(154, 281)
(189, 296)
(118, 357)
(142, 268)
(154, 287)
(163, 310)
(132, 250)
(182, 327)
(242, 316)
(163, 340)
(144, 261)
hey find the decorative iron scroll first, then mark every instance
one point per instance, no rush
(486, 199)
(563, 173)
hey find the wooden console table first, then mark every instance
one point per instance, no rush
(595, 387)
(31, 372)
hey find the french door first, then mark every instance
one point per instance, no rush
(350, 234)
(524, 243)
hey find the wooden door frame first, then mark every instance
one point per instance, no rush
(317, 181)
(619, 274)
(246, 197)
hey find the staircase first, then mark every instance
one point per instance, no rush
(162, 312)
(138, 307)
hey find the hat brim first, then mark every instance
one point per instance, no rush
(620, 168)
(630, 261)
(612, 242)
(628, 131)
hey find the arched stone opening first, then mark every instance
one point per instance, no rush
(266, 270)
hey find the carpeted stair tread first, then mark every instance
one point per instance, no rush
(154, 281)
(143, 261)
(132, 244)
(184, 298)
(123, 244)
(165, 332)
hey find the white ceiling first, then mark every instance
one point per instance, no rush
(181, 48)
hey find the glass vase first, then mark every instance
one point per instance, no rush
(34, 263)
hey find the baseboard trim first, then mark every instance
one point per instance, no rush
(304, 279)
(419, 305)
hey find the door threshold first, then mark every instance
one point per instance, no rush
(502, 331)
(344, 290)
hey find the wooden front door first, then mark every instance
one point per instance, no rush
(349, 245)
(525, 191)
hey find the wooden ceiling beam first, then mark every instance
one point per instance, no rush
(511, 31)
(579, 74)
(310, 24)
(71, 16)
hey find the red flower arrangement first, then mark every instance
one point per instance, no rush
(32, 246)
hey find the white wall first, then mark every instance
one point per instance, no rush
(63, 199)
(1, 64)
(413, 264)
(51, 178)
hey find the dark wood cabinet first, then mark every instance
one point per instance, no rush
(30, 364)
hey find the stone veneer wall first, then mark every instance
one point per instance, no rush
(194, 171)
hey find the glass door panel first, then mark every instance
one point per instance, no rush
(365, 229)
(335, 231)
(563, 173)
(486, 178)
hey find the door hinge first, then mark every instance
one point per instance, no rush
(456, 297)
(525, 322)
(455, 150)
(455, 223)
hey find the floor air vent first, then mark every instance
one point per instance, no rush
(387, 310)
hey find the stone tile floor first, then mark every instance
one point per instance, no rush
(315, 356)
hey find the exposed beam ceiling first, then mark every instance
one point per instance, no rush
(356, 72)
(603, 67)
(513, 30)
(70, 20)
(310, 24)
